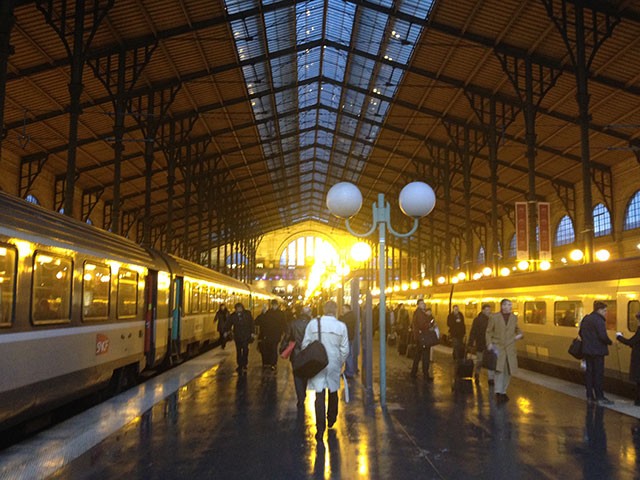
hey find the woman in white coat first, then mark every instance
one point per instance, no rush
(334, 337)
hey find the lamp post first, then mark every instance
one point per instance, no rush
(417, 200)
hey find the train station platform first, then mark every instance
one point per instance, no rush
(202, 420)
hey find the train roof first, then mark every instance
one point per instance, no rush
(591, 272)
(182, 267)
(25, 221)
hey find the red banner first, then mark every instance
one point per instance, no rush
(522, 231)
(544, 220)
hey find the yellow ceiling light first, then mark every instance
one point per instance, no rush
(396, 288)
(441, 280)
(477, 276)
(414, 285)
(405, 287)
(523, 265)
(486, 271)
(426, 282)
(545, 265)
(461, 276)
(576, 255)
(361, 252)
(505, 272)
(455, 280)
(603, 255)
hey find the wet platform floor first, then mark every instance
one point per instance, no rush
(222, 425)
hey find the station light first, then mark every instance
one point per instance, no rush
(545, 265)
(455, 280)
(638, 246)
(441, 280)
(477, 276)
(361, 252)
(564, 260)
(405, 287)
(505, 271)
(396, 288)
(388, 290)
(414, 285)
(576, 255)
(603, 255)
(523, 265)
(461, 276)
(486, 271)
(426, 282)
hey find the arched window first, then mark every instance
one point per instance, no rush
(481, 255)
(632, 214)
(565, 233)
(31, 199)
(305, 250)
(601, 221)
(512, 247)
(236, 260)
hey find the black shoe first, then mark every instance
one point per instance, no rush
(605, 401)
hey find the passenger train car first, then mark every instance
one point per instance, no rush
(550, 305)
(82, 309)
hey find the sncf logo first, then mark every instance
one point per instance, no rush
(102, 344)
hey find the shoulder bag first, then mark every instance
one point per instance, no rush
(489, 359)
(575, 349)
(312, 359)
(428, 339)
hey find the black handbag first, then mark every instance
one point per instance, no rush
(428, 339)
(489, 360)
(575, 349)
(311, 360)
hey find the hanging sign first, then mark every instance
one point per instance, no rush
(544, 221)
(522, 231)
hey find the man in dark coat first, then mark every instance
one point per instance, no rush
(222, 319)
(241, 322)
(478, 339)
(272, 327)
(634, 367)
(422, 322)
(457, 331)
(349, 319)
(593, 332)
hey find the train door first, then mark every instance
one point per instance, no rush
(150, 306)
(177, 314)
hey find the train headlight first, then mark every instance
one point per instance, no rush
(576, 255)
(603, 255)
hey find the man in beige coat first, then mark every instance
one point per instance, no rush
(502, 333)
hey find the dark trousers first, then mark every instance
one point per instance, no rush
(423, 354)
(332, 412)
(301, 389)
(269, 351)
(458, 348)
(594, 376)
(242, 353)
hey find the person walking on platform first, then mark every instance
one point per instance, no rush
(478, 339)
(222, 319)
(402, 328)
(423, 322)
(272, 326)
(295, 333)
(595, 346)
(634, 367)
(457, 331)
(349, 319)
(501, 336)
(241, 322)
(335, 339)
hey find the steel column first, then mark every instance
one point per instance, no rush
(493, 251)
(466, 171)
(530, 135)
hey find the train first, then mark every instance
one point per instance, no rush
(549, 306)
(84, 310)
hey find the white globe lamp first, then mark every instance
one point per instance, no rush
(344, 200)
(417, 199)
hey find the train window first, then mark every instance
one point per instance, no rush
(7, 284)
(51, 301)
(212, 299)
(470, 310)
(535, 312)
(195, 299)
(187, 298)
(204, 293)
(164, 284)
(127, 293)
(632, 308)
(96, 287)
(612, 314)
(568, 313)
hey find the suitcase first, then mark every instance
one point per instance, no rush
(464, 368)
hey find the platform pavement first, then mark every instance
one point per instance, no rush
(221, 425)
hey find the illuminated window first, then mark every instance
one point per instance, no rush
(565, 233)
(127, 293)
(31, 199)
(568, 313)
(481, 255)
(51, 301)
(535, 312)
(236, 260)
(632, 308)
(96, 285)
(632, 214)
(512, 247)
(305, 250)
(7, 283)
(601, 221)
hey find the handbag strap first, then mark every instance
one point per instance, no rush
(319, 331)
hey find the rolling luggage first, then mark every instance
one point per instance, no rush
(464, 367)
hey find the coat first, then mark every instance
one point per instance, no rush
(478, 335)
(295, 333)
(336, 341)
(222, 318)
(242, 324)
(421, 323)
(634, 366)
(457, 328)
(593, 332)
(503, 338)
(272, 325)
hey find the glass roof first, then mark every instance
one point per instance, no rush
(320, 74)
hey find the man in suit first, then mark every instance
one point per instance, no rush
(595, 346)
(502, 333)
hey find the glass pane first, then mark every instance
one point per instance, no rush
(612, 314)
(51, 288)
(195, 299)
(470, 310)
(301, 251)
(187, 298)
(568, 313)
(292, 253)
(164, 283)
(204, 293)
(632, 309)
(535, 312)
(96, 286)
(7, 283)
(127, 293)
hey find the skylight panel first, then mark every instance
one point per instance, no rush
(370, 31)
(307, 139)
(340, 18)
(327, 119)
(334, 63)
(283, 71)
(325, 138)
(309, 63)
(235, 6)
(416, 8)
(309, 18)
(308, 118)
(307, 95)
(280, 29)
(330, 95)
